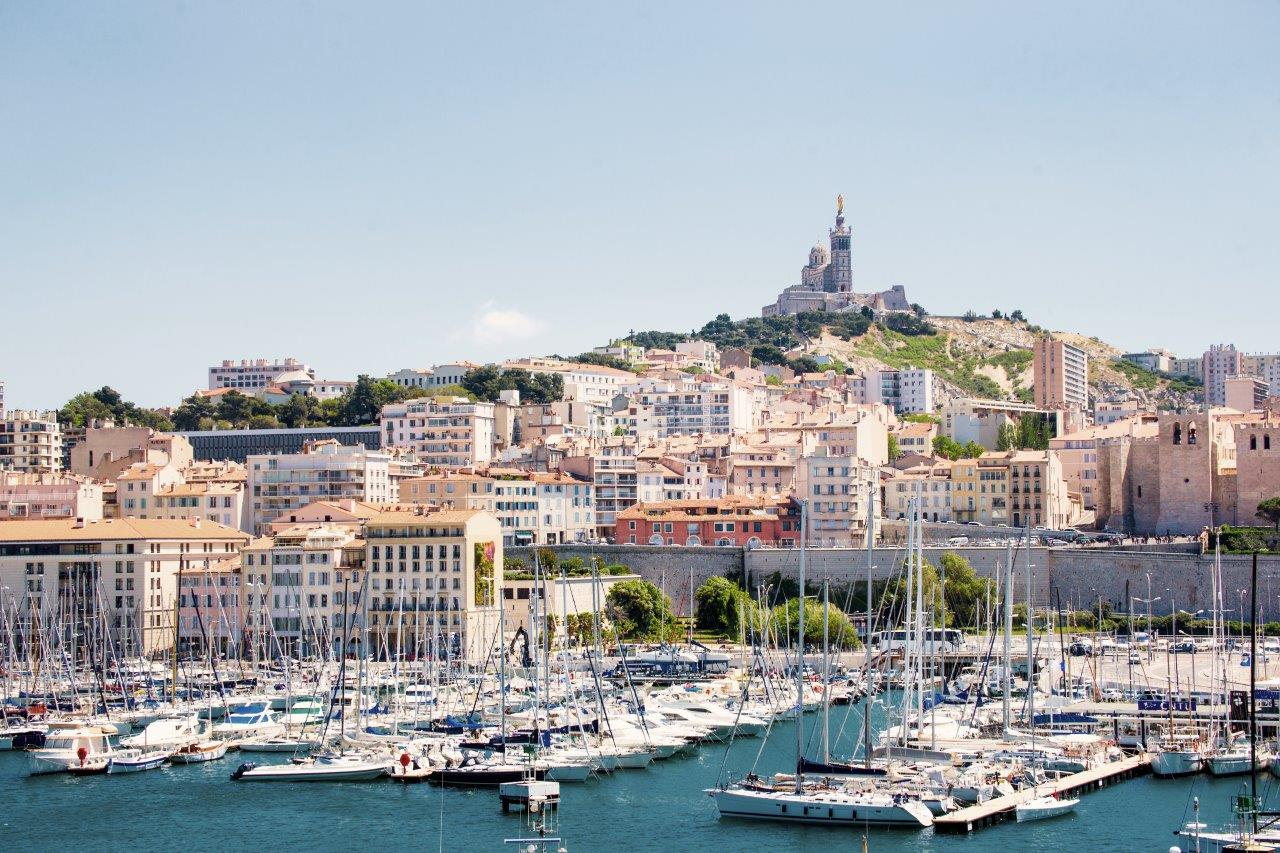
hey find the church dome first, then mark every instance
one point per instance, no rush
(818, 255)
(294, 377)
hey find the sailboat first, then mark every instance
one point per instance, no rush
(329, 766)
(790, 799)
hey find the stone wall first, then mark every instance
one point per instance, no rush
(1074, 576)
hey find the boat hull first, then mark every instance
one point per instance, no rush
(752, 805)
(1172, 764)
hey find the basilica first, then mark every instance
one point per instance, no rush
(826, 282)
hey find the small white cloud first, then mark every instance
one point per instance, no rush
(495, 326)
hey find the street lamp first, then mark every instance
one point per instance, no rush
(1150, 630)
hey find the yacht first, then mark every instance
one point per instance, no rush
(72, 750)
(199, 752)
(166, 733)
(250, 720)
(1178, 755)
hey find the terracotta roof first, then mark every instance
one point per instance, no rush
(65, 530)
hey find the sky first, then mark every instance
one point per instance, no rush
(374, 186)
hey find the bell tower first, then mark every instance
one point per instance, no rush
(839, 278)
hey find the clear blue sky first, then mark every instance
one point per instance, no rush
(375, 186)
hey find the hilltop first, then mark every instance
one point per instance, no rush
(972, 356)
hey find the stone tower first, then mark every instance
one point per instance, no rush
(839, 277)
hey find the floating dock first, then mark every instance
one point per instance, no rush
(998, 809)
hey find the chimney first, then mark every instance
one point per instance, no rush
(348, 504)
(195, 522)
(79, 523)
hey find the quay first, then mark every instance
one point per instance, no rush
(999, 809)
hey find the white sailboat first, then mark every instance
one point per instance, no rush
(790, 799)
(1044, 807)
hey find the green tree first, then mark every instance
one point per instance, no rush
(362, 403)
(1269, 510)
(894, 450)
(963, 591)
(196, 412)
(719, 602)
(947, 447)
(1007, 437)
(840, 631)
(638, 609)
(263, 422)
(235, 408)
(971, 450)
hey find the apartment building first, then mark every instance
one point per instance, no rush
(688, 406)
(1155, 360)
(531, 507)
(325, 470)
(911, 390)
(300, 583)
(915, 437)
(1109, 411)
(611, 469)
(1220, 362)
(25, 495)
(31, 442)
(213, 501)
(137, 487)
(250, 375)
(734, 521)
(836, 490)
(434, 582)
(103, 451)
(756, 469)
(443, 432)
(1037, 492)
(585, 383)
(1245, 393)
(1060, 374)
(980, 489)
(209, 610)
(931, 484)
(123, 570)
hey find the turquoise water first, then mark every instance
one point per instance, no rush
(659, 809)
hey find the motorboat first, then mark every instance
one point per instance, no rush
(135, 760)
(323, 768)
(1044, 807)
(72, 750)
(200, 751)
(166, 733)
(250, 720)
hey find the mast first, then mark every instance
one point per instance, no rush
(1031, 663)
(800, 655)
(1008, 630)
(1253, 689)
(826, 669)
(866, 666)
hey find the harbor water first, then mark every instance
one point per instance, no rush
(660, 809)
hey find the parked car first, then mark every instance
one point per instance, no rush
(1111, 694)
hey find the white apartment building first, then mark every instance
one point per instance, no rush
(702, 354)
(836, 492)
(125, 570)
(324, 471)
(1109, 411)
(31, 442)
(588, 383)
(443, 432)
(911, 390)
(249, 375)
(25, 495)
(666, 407)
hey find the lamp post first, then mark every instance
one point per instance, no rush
(1150, 631)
